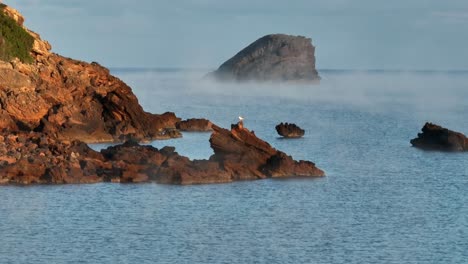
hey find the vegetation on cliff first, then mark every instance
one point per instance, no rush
(15, 42)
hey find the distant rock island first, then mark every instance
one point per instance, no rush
(434, 137)
(276, 57)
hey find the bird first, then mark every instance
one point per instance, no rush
(241, 118)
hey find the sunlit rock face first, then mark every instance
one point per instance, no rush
(72, 99)
(276, 57)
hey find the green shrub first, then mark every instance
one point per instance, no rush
(14, 40)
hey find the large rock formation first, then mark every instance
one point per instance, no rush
(72, 99)
(288, 130)
(246, 157)
(36, 158)
(275, 57)
(434, 137)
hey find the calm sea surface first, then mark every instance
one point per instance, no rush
(381, 202)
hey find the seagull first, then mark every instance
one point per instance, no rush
(241, 118)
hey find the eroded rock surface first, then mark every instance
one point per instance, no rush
(246, 157)
(288, 130)
(276, 57)
(73, 99)
(434, 137)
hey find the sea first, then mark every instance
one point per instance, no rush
(382, 201)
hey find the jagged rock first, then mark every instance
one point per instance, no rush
(40, 47)
(246, 157)
(73, 99)
(13, 13)
(288, 130)
(37, 158)
(434, 137)
(195, 124)
(276, 57)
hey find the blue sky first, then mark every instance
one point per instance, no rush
(349, 34)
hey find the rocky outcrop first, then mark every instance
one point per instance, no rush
(275, 57)
(73, 100)
(288, 130)
(37, 158)
(246, 157)
(434, 137)
(195, 125)
(13, 13)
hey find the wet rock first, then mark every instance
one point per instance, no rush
(276, 57)
(288, 130)
(195, 125)
(434, 137)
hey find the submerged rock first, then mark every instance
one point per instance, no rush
(276, 57)
(288, 130)
(72, 99)
(195, 125)
(434, 137)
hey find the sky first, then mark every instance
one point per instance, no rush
(348, 34)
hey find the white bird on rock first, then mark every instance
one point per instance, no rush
(240, 124)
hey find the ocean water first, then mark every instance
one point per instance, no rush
(382, 201)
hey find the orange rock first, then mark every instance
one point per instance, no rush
(72, 99)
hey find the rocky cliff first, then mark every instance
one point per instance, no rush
(71, 99)
(275, 57)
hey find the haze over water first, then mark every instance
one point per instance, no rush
(382, 201)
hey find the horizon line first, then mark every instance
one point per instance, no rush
(376, 70)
